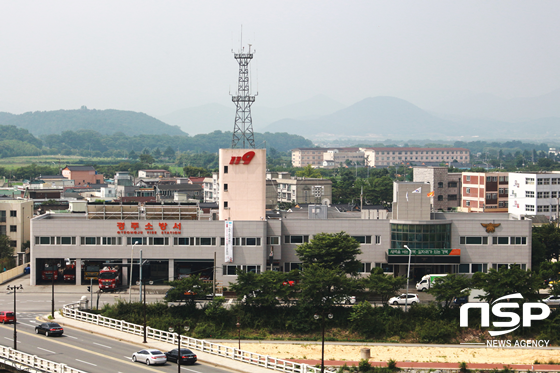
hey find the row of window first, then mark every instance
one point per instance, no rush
(421, 158)
(501, 204)
(290, 266)
(231, 270)
(500, 240)
(155, 241)
(13, 214)
(13, 228)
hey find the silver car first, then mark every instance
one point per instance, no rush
(401, 299)
(553, 300)
(149, 356)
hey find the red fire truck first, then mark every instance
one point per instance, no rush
(109, 278)
(49, 272)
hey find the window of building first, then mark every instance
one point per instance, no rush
(479, 267)
(440, 184)
(553, 194)
(546, 181)
(386, 267)
(529, 207)
(296, 239)
(518, 240)
(529, 194)
(13, 214)
(440, 198)
(452, 197)
(225, 204)
(3, 229)
(66, 240)
(230, 270)
(225, 187)
(2, 216)
(469, 240)
(253, 268)
(13, 243)
(468, 178)
(13, 228)
(468, 191)
(378, 240)
(250, 241)
(291, 266)
(184, 241)
(111, 240)
(529, 181)
(452, 184)
(554, 181)
(225, 169)
(90, 240)
(44, 241)
(546, 194)
(539, 181)
(366, 268)
(159, 241)
(467, 203)
(503, 204)
(553, 208)
(500, 240)
(464, 268)
(136, 241)
(539, 194)
(363, 239)
(539, 209)
(503, 179)
(206, 241)
(273, 240)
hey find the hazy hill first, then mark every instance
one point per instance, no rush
(385, 117)
(218, 117)
(512, 110)
(106, 122)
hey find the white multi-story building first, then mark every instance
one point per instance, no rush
(534, 193)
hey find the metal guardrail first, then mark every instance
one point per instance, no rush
(12, 273)
(248, 357)
(32, 363)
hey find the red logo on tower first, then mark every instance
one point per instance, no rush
(246, 158)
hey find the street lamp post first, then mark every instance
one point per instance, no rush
(145, 319)
(179, 357)
(407, 277)
(322, 317)
(15, 289)
(52, 288)
(130, 272)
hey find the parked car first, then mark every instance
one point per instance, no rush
(7, 317)
(49, 329)
(187, 356)
(149, 356)
(401, 299)
(553, 300)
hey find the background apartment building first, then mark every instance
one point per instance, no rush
(485, 192)
(299, 190)
(535, 193)
(446, 186)
(15, 216)
(376, 157)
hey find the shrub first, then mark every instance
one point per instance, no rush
(364, 366)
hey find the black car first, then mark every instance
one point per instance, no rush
(187, 356)
(49, 328)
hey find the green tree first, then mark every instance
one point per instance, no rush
(169, 153)
(196, 171)
(549, 236)
(156, 153)
(132, 155)
(323, 287)
(188, 289)
(385, 286)
(504, 281)
(6, 253)
(146, 158)
(310, 172)
(266, 289)
(332, 251)
(446, 288)
(551, 272)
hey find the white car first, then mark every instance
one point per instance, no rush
(553, 300)
(149, 356)
(401, 299)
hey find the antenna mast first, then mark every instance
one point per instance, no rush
(243, 127)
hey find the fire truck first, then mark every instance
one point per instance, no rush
(49, 272)
(109, 278)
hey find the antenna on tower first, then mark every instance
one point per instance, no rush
(243, 127)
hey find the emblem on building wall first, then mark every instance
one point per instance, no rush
(490, 227)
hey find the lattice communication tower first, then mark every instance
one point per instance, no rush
(243, 128)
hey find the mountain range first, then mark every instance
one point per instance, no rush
(379, 118)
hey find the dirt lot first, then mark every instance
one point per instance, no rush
(401, 353)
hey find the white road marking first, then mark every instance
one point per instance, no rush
(9, 339)
(52, 352)
(85, 362)
(22, 323)
(99, 344)
(69, 336)
(191, 370)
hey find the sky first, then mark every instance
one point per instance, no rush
(159, 56)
